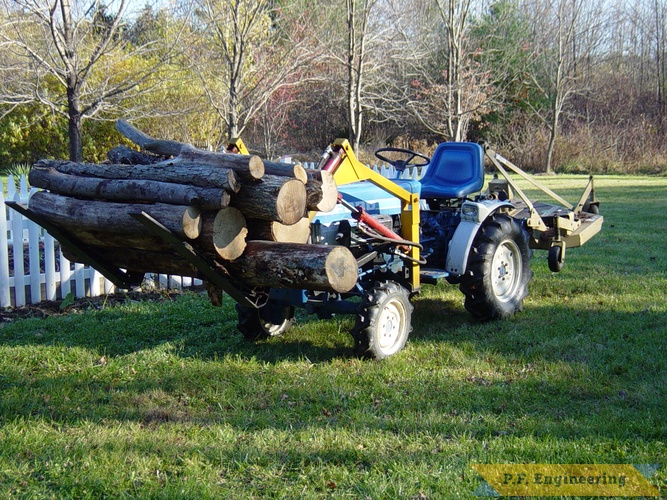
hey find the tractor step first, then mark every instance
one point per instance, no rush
(432, 276)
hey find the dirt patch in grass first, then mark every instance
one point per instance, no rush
(58, 308)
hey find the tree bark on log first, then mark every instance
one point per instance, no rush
(188, 174)
(321, 190)
(291, 265)
(160, 147)
(108, 217)
(286, 169)
(122, 155)
(248, 168)
(275, 198)
(223, 233)
(131, 190)
(275, 231)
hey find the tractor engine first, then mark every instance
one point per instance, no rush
(437, 229)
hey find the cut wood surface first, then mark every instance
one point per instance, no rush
(322, 192)
(130, 190)
(291, 265)
(259, 229)
(275, 198)
(224, 232)
(101, 216)
(183, 173)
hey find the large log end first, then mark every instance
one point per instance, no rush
(229, 233)
(291, 202)
(342, 269)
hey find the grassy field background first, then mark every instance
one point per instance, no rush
(166, 400)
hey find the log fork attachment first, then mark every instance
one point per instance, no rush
(119, 277)
(213, 273)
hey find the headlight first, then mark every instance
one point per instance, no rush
(470, 212)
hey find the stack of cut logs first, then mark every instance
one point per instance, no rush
(247, 216)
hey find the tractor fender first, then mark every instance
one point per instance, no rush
(473, 215)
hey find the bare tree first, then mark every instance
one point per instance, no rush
(74, 58)
(358, 17)
(567, 33)
(456, 18)
(451, 84)
(246, 51)
(366, 44)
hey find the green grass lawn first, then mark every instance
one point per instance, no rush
(166, 400)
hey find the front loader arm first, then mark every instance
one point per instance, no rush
(236, 145)
(349, 169)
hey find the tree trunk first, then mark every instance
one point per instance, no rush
(122, 155)
(275, 198)
(275, 231)
(553, 134)
(131, 190)
(290, 265)
(100, 216)
(74, 126)
(249, 167)
(183, 173)
(122, 241)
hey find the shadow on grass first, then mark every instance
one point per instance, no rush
(209, 332)
(603, 373)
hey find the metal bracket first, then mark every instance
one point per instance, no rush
(589, 191)
(534, 221)
(185, 250)
(117, 276)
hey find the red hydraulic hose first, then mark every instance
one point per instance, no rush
(360, 215)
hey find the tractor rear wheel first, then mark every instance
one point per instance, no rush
(383, 322)
(498, 272)
(268, 321)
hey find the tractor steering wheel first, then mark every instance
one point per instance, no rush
(401, 165)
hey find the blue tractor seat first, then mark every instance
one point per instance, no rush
(455, 171)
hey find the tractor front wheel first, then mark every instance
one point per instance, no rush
(498, 272)
(555, 259)
(383, 322)
(268, 321)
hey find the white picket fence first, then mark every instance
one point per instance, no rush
(39, 270)
(389, 171)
